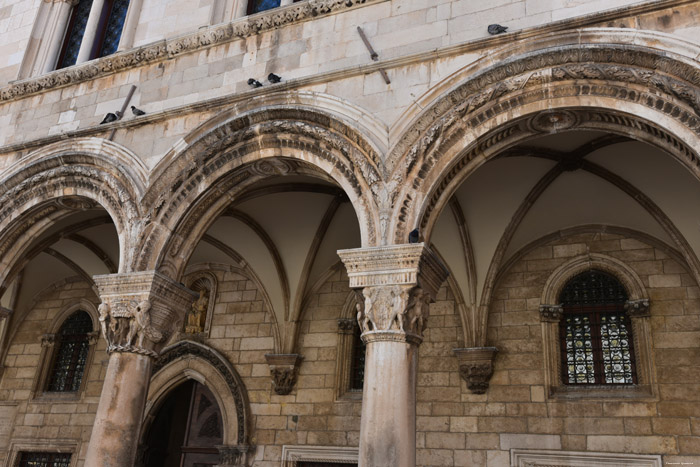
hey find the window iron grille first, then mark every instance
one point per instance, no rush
(43, 459)
(357, 364)
(71, 354)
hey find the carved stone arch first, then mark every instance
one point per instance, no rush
(614, 82)
(575, 266)
(218, 164)
(63, 178)
(191, 360)
(81, 304)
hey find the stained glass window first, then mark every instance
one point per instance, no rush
(596, 336)
(72, 347)
(74, 35)
(256, 6)
(357, 365)
(114, 26)
(43, 459)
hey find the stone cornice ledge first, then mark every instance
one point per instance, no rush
(168, 48)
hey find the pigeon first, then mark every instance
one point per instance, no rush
(255, 83)
(137, 112)
(414, 236)
(273, 78)
(494, 29)
(109, 118)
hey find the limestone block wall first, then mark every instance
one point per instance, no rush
(46, 420)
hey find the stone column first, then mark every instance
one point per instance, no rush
(59, 23)
(139, 311)
(398, 283)
(93, 24)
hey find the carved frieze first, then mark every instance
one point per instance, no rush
(398, 283)
(140, 310)
(231, 456)
(476, 367)
(163, 50)
(283, 370)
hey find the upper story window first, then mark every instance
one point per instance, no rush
(256, 6)
(43, 459)
(595, 331)
(94, 31)
(70, 358)
(357, 364)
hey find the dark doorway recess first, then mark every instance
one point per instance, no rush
(186, 429)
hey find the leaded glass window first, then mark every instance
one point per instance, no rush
(72, 347)
(74, 35)
(43, 459)
(595, 331)
(357, 364)
(256, 6)
(114, 25)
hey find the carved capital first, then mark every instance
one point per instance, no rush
(230, 456)
(551, 313)
(398, 284)
(283, 370)
(346, 326)
(48, 340)
(139, 311)
(638, 308)
(476, 367)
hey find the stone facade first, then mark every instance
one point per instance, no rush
(239, 237)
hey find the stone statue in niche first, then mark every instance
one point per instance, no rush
(197, 315)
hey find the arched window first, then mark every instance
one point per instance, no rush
(357, 364)
(595, 331)
(70, 358)
(256, 6)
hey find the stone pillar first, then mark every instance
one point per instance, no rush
(93, 24)
(60, 16)
(398, 283)
(139, 311)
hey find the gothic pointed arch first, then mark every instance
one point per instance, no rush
(234, 151)
(610, 80)
(191, 360)
(65, 178)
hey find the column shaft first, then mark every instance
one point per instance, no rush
(115, 433)
(388, 429)
(93, 23)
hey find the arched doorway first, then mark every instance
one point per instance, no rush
(186, 429)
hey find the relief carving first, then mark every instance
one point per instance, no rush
(126, 325)
(638, 308)
(476, 367)
(551, 313)
(197, 315)
(283, 370)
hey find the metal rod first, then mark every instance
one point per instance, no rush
(124, 106)
(374, 55)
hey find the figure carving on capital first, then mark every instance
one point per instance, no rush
(197, 315)
(126, 325)
(394, 308)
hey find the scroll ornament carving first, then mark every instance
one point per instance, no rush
(638, 308)
(127, 327)
(163, 50)
(230, 456)
(551, 313)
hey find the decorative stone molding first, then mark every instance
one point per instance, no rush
(167, 49)
(139, 311)
(202, 353)
(546, 458)
(476, 367)
(231, 456)
(48, 340)
(398, 283)
(283, 370)
(346, 326)
(4, 312)
(551, 313)
(292, 455)
(638, 308)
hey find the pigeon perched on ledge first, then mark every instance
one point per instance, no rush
(137, 112)
(273, 78)
(255, 83)
(109, 118)
(494, 29)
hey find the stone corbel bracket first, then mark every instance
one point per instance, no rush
(551, 313)
(232, 456)
(476, 367)
(283, 370)
(139, 311)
